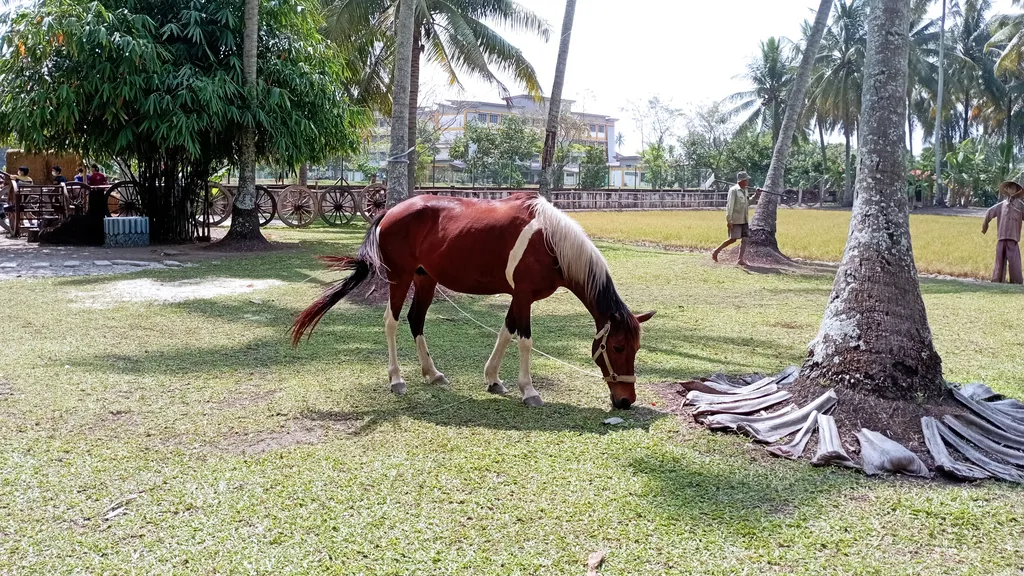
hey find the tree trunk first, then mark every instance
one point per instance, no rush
(1008, 160)
(937, 145)
(414, 97)
(874, 337)
(967, 115)
(555, 105)
(824, 163)
(763, 225)
(398, 169)
(847, 197)
(910, 129)
(304, 174)
(245, 222)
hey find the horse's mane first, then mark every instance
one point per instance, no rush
(581, 262)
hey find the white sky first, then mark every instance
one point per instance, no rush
(686, 51)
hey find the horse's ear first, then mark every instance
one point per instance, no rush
(641, 318)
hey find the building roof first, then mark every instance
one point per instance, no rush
(524, 102)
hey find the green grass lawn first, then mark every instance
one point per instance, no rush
(942, 244)
(250, 457)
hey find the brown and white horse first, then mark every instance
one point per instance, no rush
(522, 246)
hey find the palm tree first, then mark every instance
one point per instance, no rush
(874, 338)
(924, 43)
(840, 75)
(398, 174)
(771, 73)
(245, 222)
(765, 218)
(970, 67)
(555, 105)
(1004, 106)
(453, 34)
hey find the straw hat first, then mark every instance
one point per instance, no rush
(1011, 189)
(741, 176)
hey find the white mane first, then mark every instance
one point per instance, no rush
(580, 260)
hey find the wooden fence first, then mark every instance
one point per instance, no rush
(621, 200)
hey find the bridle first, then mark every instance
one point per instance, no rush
(602, 352)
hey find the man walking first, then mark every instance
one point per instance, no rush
(1009, 213)
(736, 209)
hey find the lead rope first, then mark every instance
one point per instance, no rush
(495, 332)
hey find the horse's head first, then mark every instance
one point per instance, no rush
(615, 347)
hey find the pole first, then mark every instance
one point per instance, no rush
(940, 199)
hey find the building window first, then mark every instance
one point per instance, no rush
(600, 129)
(495, 119)
(481, 118)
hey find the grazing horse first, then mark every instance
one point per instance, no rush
(522, 246)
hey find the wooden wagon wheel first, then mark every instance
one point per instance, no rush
(266, 205)
(124, 200)
(78, 197)
(214, 207)
(373, 200)
(296, 206)
(337, 206)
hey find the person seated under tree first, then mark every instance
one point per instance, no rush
(22, 176)
(1009, 213)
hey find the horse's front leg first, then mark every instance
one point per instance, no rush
(518, 321)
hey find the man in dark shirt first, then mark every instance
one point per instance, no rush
(97, 178)
(58, 176)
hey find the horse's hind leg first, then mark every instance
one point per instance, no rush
(493, 366)
(424, 295)
(398, 290)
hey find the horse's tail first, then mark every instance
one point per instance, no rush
(367, 261)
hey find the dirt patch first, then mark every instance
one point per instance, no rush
(299, 432)
(254, 445)
(148, 290)
(251, 397)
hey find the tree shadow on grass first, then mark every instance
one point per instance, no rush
(292, 266)
(934, 286)
(447, 407)
(733, 493)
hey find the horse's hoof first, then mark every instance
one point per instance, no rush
(440, 380)
(399, 387)
(533, 401)
(497, 388)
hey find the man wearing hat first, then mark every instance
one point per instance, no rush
(1009, 213)
(736, 209)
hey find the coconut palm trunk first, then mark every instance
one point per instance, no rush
(874, 338)
(824, 162)
(398, 169)
(414, 103)
(547, 157)
(763, 226)
(847, 198)
(245, 222)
